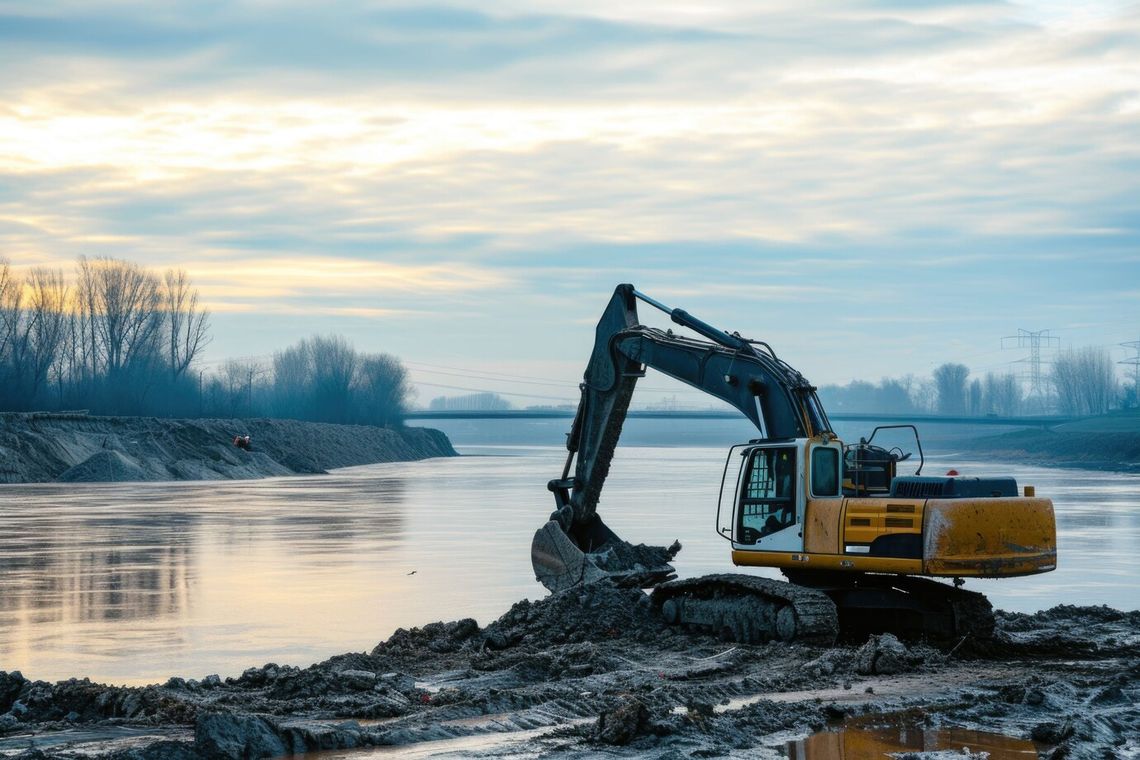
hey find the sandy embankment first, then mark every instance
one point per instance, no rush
(37, 448)
(596, 671)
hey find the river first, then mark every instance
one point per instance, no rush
(132, 583)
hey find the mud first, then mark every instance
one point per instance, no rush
(595, 671)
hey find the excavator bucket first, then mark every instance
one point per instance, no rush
(560, 562)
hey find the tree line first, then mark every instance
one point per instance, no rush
(320, 379)
(116, 338)
(1080, 382)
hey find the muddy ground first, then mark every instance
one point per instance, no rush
(583, 673)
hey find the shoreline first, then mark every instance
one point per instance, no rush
(1110, 451)
(44, 448)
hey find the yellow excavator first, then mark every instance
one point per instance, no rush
(859, 544)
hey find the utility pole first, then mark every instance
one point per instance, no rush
(1034, 341)
(1135, 362)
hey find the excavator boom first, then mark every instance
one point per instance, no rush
(747, 374)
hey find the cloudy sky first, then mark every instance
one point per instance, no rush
(872, 187)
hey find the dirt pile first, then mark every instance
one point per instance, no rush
(579, 674)
(77, 448)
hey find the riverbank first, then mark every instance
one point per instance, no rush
(1099, 451)
(596, 671)
(39, 448)
(1110, 442)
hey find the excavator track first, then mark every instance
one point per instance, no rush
(904, 605)
(749, 609)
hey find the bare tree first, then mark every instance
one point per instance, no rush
(1002, 394)
(975, 398)
(1085, 380)
(187, 324)
(334, 368)
(241, 378)
(384, 389)
(950, 382)
(47, 324)
(292, 377)
(121, 317)
(11, 300)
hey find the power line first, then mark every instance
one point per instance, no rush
(567, 399)
(1034, 341)
(439, 369)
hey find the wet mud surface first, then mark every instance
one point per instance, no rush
(596, 672)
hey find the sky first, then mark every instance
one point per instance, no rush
(873, 188)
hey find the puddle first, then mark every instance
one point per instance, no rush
(883, 737)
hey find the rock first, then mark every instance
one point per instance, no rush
(1112, 695)
(621, 725)
(401, 682)
(829, 662)
(1051, 733)
(237, 737)
(882, 655)
(361, 680)
(8, 723)
(10, 686)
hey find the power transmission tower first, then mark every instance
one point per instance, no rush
(1135, 362)
(1034, 341)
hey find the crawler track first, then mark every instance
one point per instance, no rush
(904, 605)
(749, 609)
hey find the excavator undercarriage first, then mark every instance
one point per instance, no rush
(859, 546)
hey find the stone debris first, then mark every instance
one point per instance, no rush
(884, 655)
(622, 724)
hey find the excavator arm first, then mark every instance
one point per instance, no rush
(778, 400)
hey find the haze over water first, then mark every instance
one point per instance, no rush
(133, 583)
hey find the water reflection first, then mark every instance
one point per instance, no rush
(70, 569)
(866, 741)
(104, 574)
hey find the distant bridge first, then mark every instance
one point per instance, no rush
(717, 414)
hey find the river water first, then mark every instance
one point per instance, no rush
(132, 583)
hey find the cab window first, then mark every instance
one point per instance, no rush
(767, 498)
(824, 472)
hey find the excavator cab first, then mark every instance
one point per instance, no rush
(767, 501)
(774, 484)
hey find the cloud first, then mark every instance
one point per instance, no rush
(945, 163)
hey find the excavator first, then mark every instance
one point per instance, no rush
(859, 544)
